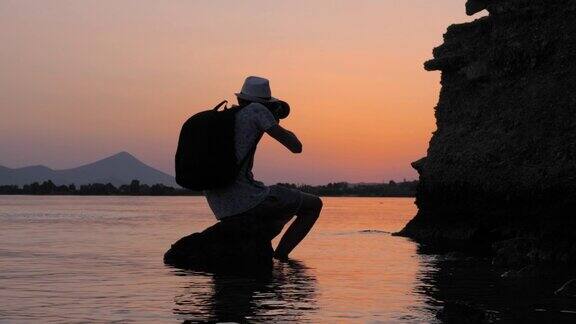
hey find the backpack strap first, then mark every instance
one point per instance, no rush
(220, 105)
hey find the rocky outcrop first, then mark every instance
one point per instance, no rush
(235, 245)
(500, 172)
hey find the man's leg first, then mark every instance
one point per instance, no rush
(305, 219)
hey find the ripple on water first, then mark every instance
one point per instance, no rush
(100, 259)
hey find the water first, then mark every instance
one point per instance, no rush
(100, 259)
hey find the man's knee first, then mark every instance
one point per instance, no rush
(311, 204)
(318, 204)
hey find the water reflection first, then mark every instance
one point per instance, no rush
(99, 259)
(288, 293)
(467, 289)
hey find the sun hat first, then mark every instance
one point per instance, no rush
(256, 89)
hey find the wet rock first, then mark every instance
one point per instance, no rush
(241, 244)
(568, 289)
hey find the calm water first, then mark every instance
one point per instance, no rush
(100, 259)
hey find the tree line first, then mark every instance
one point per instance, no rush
(339, 189)
(135, 188)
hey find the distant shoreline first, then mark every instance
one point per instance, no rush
(183, 195)
(405, 189)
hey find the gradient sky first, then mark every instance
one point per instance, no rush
(84, 79)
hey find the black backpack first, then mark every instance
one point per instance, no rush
(206, 158)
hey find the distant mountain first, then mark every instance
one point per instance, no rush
(117, 169)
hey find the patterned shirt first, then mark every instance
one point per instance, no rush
(245, 192)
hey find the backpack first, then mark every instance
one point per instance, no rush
(206, 158)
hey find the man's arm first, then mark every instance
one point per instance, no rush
(286, 138)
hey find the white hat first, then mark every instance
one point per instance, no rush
(256, 89)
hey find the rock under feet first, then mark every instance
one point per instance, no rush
(239, 244)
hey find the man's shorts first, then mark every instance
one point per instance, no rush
(278, 208)
(282, 202)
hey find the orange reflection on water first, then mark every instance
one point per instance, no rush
(100, 259)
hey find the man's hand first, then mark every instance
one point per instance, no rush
(286, 138)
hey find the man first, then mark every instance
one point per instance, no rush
(261, 114)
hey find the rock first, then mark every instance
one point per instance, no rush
(498, 7)
(475, 71)
(240, 244)
(474, 6)
(568, 289)
(501, 165)
(417, 165)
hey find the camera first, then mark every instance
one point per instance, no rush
(280, 109)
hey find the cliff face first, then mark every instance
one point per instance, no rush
(500, 173)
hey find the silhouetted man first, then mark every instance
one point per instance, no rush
(261, 114)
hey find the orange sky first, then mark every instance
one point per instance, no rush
(81, 80)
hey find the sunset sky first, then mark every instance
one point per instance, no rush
(84, 79)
